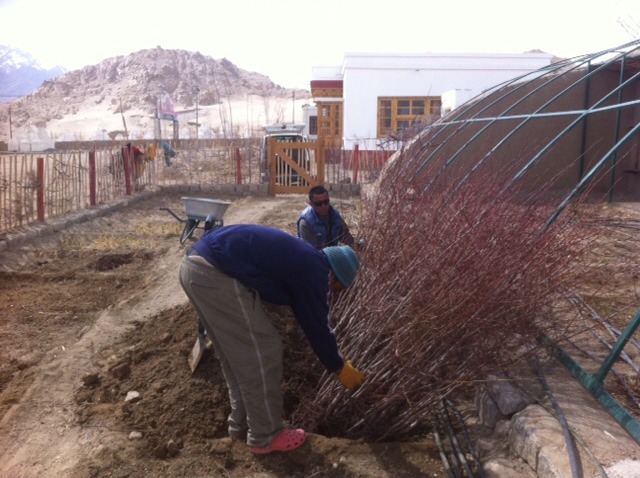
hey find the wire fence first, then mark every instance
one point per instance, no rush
(40, 186)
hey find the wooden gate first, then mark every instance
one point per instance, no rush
(294, 166)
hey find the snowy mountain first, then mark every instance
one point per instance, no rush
(20, 73)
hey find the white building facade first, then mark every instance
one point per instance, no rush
(372, 98)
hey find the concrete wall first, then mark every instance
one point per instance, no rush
(453, 98)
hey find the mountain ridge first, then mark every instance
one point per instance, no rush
(134, 83)
(21, 73)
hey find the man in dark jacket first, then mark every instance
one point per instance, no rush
(320, 224)
(226, 274)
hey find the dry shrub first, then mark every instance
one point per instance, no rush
(458, 277)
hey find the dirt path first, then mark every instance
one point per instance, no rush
(74, 304)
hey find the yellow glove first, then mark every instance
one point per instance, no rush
(350, 376)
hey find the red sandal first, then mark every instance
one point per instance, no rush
(288, 439)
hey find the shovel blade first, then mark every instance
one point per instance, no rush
(196, 352)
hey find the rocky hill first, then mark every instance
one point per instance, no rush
(126, 84)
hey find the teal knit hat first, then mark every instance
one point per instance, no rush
(344, 263)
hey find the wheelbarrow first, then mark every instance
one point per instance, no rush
(209, 212)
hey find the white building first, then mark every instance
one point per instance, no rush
(373, 98)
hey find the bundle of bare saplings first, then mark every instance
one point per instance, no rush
(461, 272)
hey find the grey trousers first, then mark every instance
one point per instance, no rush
(247, 345)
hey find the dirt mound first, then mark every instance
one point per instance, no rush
(91, 315)
(146, 390)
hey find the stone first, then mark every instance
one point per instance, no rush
(536, 436)
(121, 371)
(172, 448)
(501, 468)
(507, 395)
(488, 411)
(624, 469)
(132, 397)
(90, 379)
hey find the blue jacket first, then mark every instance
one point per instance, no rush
(283, 270)
(324, 238)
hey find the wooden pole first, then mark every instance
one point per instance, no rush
(24, 213)
(127, 171)
(75, 173)
(356, 162)
(13, 172)
(92, 177)
(238, 167)
(6, 192)
(67, 183)
(40, 189)
(271, 142)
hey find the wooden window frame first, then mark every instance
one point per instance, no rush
(396, 113)
(313, 125)
(329, 122)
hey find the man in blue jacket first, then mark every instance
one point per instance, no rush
(226, 274)
(320, 224)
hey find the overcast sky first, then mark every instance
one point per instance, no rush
(283, 39)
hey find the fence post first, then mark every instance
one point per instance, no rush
(271, 161)
(238, 167)
(40, 189)
(356, 161)
(127, 170)
(92, 177)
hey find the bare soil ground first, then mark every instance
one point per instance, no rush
(94, 382)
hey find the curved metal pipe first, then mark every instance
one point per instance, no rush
(467, 439)
(453, 440)
(443, 455)
(574, 457)
(601, 473)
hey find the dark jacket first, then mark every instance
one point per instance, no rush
(284, 270)
(324, 236)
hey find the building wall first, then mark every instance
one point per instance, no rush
(453, 98)
(560, 156)
(368, 76)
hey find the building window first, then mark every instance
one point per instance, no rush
(401, 114)
(313, 125)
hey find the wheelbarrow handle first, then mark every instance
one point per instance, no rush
(172, 213)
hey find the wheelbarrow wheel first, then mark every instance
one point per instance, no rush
(187, 233)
